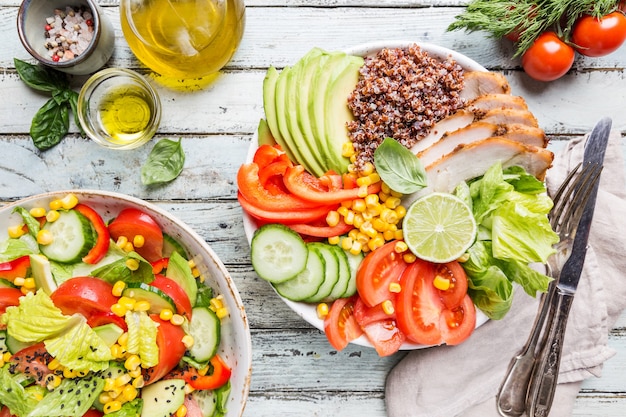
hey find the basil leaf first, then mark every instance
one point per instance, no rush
(50, 124)
(164, 164)
(40, 77)
(398, 167)
(62, 96)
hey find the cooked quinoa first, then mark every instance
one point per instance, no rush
(401, 93)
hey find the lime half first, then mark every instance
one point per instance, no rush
(439, 227)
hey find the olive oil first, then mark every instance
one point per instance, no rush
(183, 39)
(125, 113)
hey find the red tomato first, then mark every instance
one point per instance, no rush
(385, 336)
(286, 216)
(175, 292)
(458, 323)
(418, 306)
(307, 187)
(93, 413)
(599, 37)
(101, 247)
(171, 349)
(219, 375)
(88, 296)
(5, 412)
(454, 272)
(548, 58)
(340, 325)
(16, 268)
(322, 230)
(9, 297)
(33, 361)
(100, 319)
(379, 269)
(132, 222)
(365, 315)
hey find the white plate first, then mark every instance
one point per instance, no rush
(308, 311)
(235, 347)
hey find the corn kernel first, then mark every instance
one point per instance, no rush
(123, 339)
(395, 194)
(221, 312)
(121, 242)
(364, 181)
(119, 310)
(387, 306)
(195, 272)
(118, 288)
(138, 382)
(349, 217)
(409, 258)
(392, 202)
(37, 212)
(132, 362)
(368, 168)
(29, 283)
(135, 373)
(400, 246)
(44, 237)
(188, 341)
(54, 364)
(132, 264)
(358, 220)
(464, 258)
(56, 204)
(371, 200)
(112, 406)
(25, 290)
(395, 287)
(375, 243)
(441, 283)
(52, 216)
(53, 381)
(361, 237)
(343, 210)
(69, 201)
(356, 248)
(362, 191)
(203, 371)
(358, 205)
(129, 393)
(122, 380)
(166, 314)
(69, 373)
(104, 398)
(398, 234)
(379, 224)
(127, 302)
(177, 320)
(353, 234)
(142, 305)
(6, 356)
(19, 281)
(388, 235)
(16, 231)
(347, 149)
(115, 392)
(216, 303)
(182, 411)
(322, 310)
(188, 389)
(385, 188)
(346, 243)
(332, 218)
(82, 373)
(128, 247)
(191, 263)
(1, 362)
(383, 196)
(374, 177)
(333, 240)
(400, 211)
(109, 384)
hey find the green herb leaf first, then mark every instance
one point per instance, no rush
(39, 77)
(165, 162)
(398, 167)
(50, 124)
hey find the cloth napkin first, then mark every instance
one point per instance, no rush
(463, 380)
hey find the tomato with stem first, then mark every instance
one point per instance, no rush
(548, 58)
(598, 37)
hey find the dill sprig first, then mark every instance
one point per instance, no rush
(529, 18)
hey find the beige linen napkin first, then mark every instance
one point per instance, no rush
(448, 381)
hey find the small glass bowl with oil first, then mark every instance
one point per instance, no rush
(119, 109)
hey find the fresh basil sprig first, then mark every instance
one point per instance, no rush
(165, 162)
(51, 122)
(398, 167)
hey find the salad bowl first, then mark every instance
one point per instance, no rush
(235, 343)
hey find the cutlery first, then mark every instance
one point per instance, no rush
(545, 372)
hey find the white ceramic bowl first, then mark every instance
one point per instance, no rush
(235, 347)
(308, 311)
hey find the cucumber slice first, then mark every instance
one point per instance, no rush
(171, 245)
(14, 345)
(344, 273)
(207, 401)
(73, 237)
(331, 271)
(205, 329)
(278, 253)
(3, 342)
(144, 292)
(354, 261)
(307, 282)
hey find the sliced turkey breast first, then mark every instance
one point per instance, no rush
(451, 140)
(453, 122)
(508, 116)
(522, 133)
(484, 103)
(479, 83)
(473, 160)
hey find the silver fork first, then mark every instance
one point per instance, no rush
(569, 201)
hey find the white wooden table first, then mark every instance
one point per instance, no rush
(295, 371)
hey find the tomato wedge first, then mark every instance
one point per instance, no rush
(340, 325)
(385, 336)
(175, 292)
(18, 267)
(171, 349)
(101, 247)
(132, 222)
(455, 274)
(88, 296)
(33, 361)
(458, 323)
(309, 188)
(379, 269)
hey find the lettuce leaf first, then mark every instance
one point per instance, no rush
(142, 333)
(72, 398)
(13, 395)
(119, 271)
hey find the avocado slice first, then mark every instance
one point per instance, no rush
(264, 135)
(179, 271)
(281, 116)
(338, 114)
(269, 105)
(109, 332)
(40, 268)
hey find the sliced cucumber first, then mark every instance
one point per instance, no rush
(331, 271)
(14, 345)
(207, 401)
(162, 398)
(205, 329)
(278, 253)
(341, 285)
(171, 245)
(3, 342)
(354, 261)
(306, 283)
(144, 292)
(73, 237)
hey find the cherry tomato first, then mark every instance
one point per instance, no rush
(88, 296)
(171, 349)
(548, 58)
(340, 325)
(132, 222)
(15, 268)
(598, 37)
(9, 297)
(33, 361)
(101, 246)
(379, 269)
(215, 378)
(175, 292)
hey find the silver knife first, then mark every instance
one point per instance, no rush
(546, 371)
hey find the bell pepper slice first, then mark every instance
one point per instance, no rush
(321, 231)
(17, 267)
(283, 216)
(101, 247)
